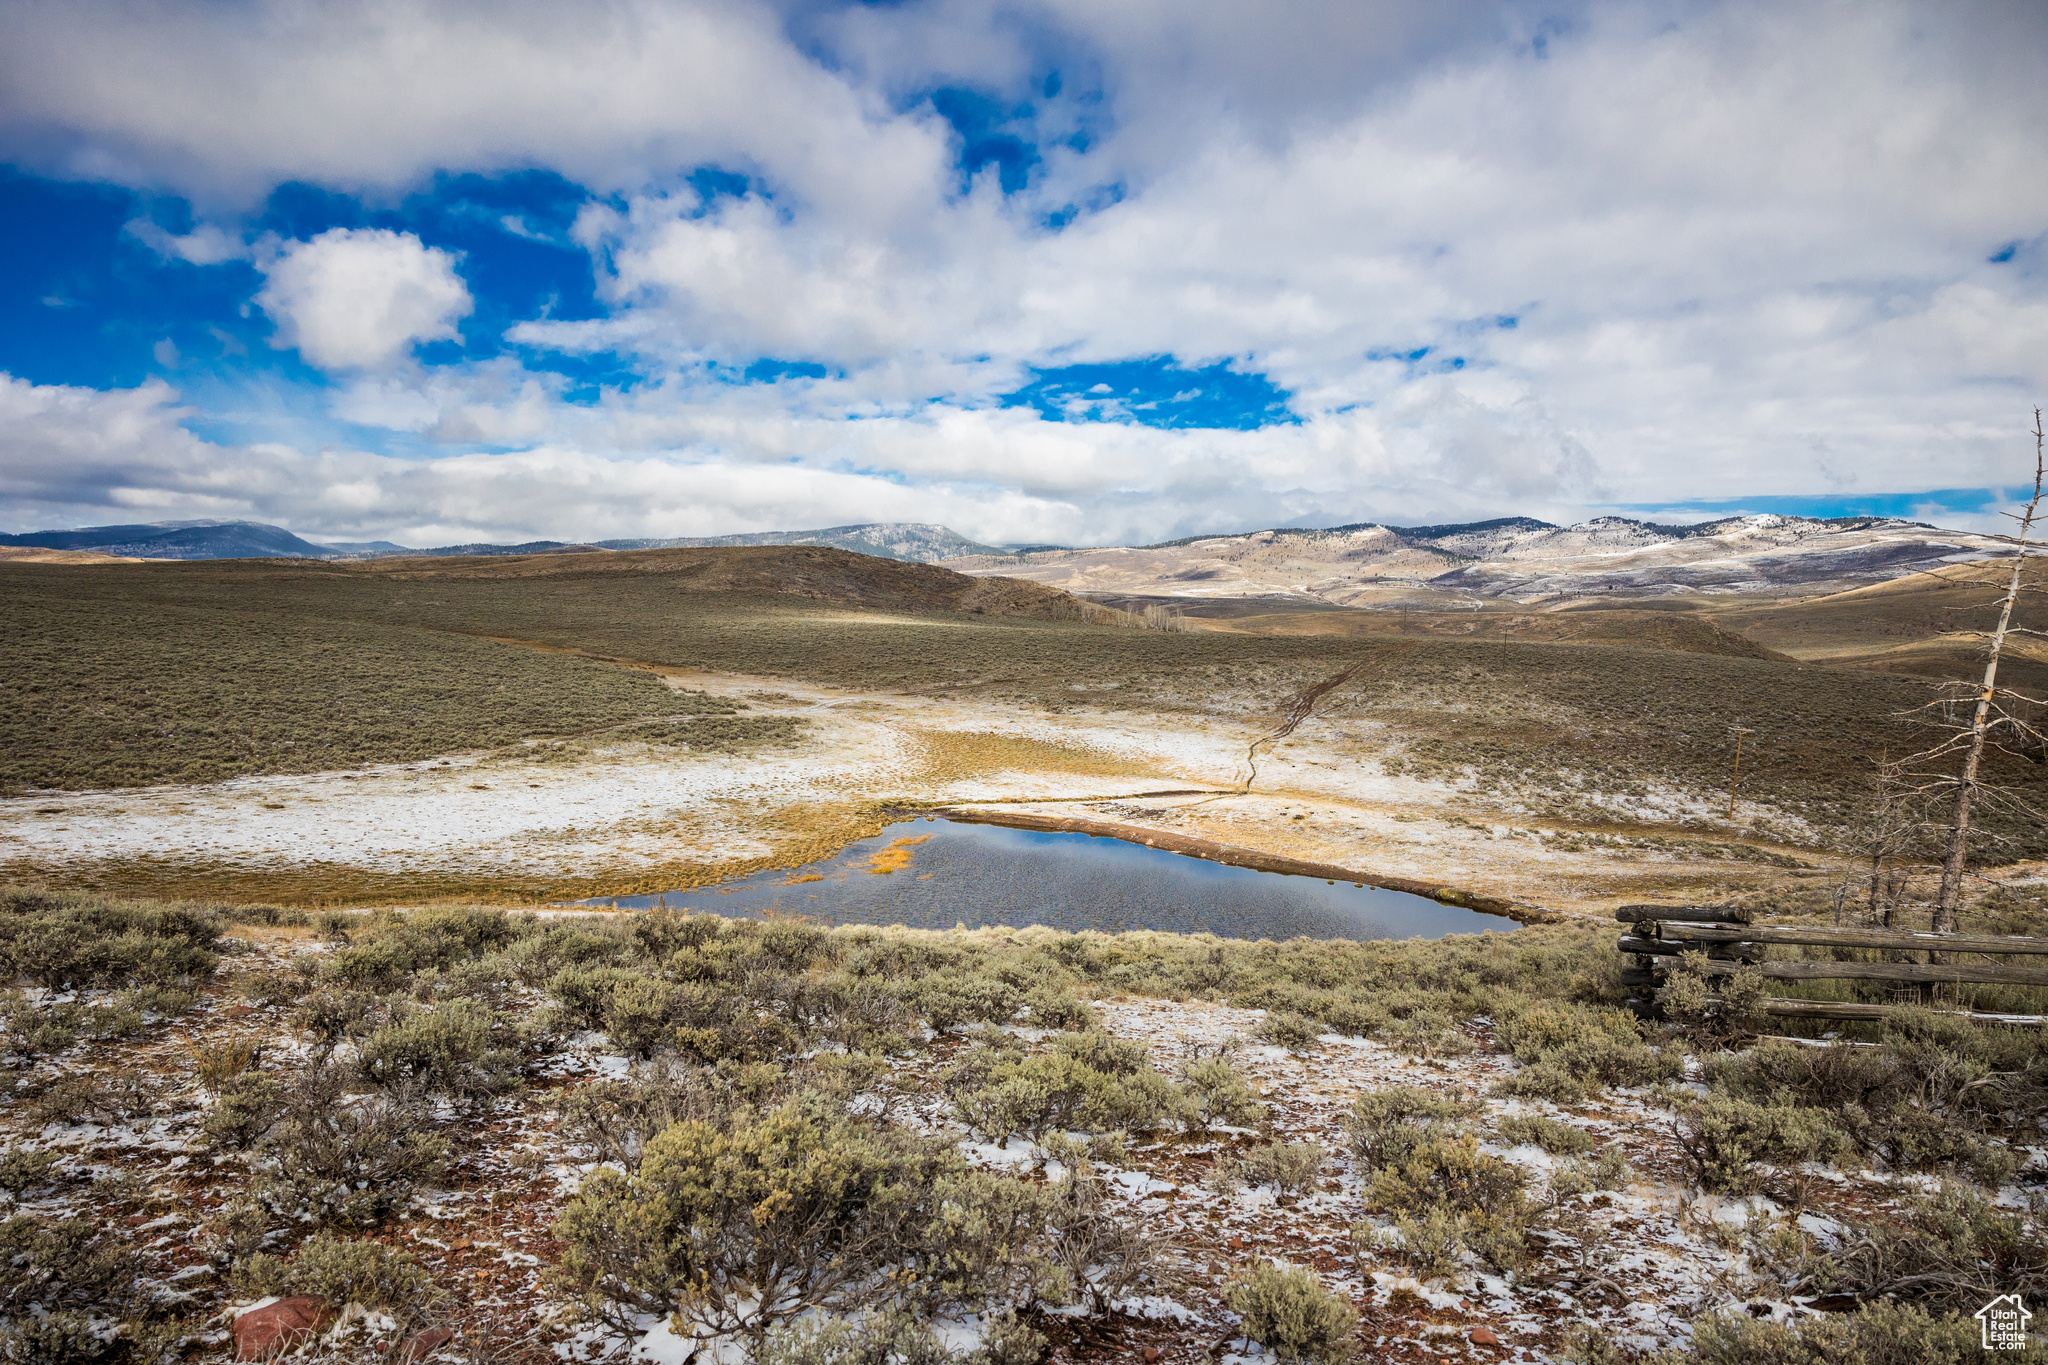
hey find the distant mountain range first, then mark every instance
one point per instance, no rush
(1509, 560)
(179, 540)
(913, 542)
(1462, 566)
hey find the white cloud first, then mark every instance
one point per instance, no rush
(225, 102)
(1744, 244)
(76, 455)
(359, 298)
(206, 244)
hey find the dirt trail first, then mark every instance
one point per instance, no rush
(1300, 707)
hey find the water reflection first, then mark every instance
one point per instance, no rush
(935, 874)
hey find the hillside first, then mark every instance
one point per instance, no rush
(176, 540)
(36, 554)
(914, 542)
(131, 674)
(1677, 631)
(1920, 625)
(804, 572)
(1511, 563)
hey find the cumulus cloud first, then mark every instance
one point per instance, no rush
(360, 298)
(71, 455)
(1502, 260)
(226, 101)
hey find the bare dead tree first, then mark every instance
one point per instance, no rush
(1894, 827)
(1999, 715)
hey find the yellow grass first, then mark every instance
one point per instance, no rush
(895, 857)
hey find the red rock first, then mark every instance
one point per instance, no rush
(1151, 1354)
(420, 1345)
(262, 1333)
(1483, 1336)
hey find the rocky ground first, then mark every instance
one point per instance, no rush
(1641, 1259)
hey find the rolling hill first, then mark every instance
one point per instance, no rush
(177, 540)
(1509, 564)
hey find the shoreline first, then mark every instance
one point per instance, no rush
(1232, 855)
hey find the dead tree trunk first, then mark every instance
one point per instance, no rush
(1954, 865)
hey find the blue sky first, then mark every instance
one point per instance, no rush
(1040, 271)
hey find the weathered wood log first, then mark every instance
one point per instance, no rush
(1682, 914)
(1839, 1009)
(1672, 947)
(1953, 973)
(1820, 936)
(1636, 976)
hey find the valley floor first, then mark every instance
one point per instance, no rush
(607, 815)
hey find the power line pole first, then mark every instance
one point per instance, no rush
(1735, 777)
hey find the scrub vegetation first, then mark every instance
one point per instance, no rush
(131, 674)
(128, 688)
(795, 1145)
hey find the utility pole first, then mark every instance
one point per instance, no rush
(1735, 777)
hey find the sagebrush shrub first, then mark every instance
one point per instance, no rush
(536, 957)
(1453, 1172)
(448, 1050)
(1089, 1082)
(66, 1269)
(1925, 1096)
(114, 1096)
(1285, 1028)
(1724, 1139)
(1950, 1250)
(869, 1016)
(1289, 1167)
(741, 1227)
(1221, 1094)
(68, 939)
(244, 1109)
(951, 1000)
(24, 1168)
(1103, 1256)
(616, 1118)
(894, 1337)
(1290, 1313)
(344, 1270)
(1711, 1009)
(1878, 1333)
(337, 1158)
(1569, 1051)
(1386, 1126)
(1054, 1007)
(327, 1018)
(1432, 1241)
(30, 1032)
(1560, 1139)
(639, 1014)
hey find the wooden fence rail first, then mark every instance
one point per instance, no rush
(1729, 943)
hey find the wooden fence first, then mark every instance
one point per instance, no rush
(1659, 933)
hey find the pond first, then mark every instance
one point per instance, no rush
(934, 874)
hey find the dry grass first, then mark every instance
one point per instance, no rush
(108, 681)
(141, 673)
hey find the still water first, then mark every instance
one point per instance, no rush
(933, 874)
